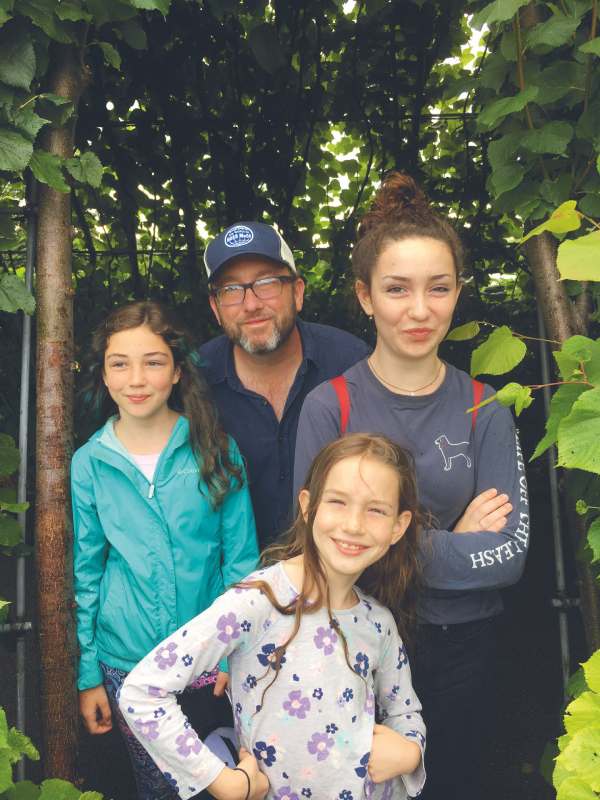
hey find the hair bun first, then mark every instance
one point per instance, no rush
(398, 199)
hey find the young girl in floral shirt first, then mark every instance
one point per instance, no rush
(315, 657)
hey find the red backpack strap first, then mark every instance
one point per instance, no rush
(341, 389)
(478, 388)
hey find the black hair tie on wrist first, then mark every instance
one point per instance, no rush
(239, 769)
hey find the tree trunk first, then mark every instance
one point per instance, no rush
(54, 442)
(561, 322)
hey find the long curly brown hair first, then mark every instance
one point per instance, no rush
(393, 580)
(191, 395)
(400, 210)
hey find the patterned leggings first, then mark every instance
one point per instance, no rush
(205, 711)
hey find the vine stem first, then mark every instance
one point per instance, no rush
(558, 383)
(519, 335)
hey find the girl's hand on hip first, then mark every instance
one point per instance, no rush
(232, 785)
(95, 710)
(221, 684)
(391, 755)
(487, 512)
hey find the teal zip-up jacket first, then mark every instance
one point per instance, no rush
(149, 556)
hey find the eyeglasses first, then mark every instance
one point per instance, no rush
(233, 294)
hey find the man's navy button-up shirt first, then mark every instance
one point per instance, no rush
(267, 443)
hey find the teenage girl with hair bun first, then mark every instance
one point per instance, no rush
(408, 261)
(162, 518)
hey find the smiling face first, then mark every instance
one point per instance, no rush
(357, 519)
(258, 326)
(139, 373)
(412, 295)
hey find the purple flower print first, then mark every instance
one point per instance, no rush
(318, 693)
(319, 745)
(347, 694)
(331, 728)
(165, 656)
(156, 691)
(416, 735)
(402, 657)
(346, 794)
(171, 781)
(306, 792)
(325, 639)
(265, 752)
(148, 730)
(229, 628)
(268, 657)
(188, 743)
(361, 667)
(246, 625)
(361, 771)
(370, 704)
(296, 705)
(187, 660)
(285, 793)
(388, 790)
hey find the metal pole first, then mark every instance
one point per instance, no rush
(561, 602)
(23, 449)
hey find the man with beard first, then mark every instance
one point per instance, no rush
(267, 361)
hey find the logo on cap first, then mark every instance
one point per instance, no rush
(238, 236)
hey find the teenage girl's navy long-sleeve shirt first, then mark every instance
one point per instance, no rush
(454, 464)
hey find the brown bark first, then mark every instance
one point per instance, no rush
(562, 321)
(54, 442)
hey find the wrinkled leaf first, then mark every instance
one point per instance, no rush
(152, 5)
(575, 789)
(86, 169)
(111, 55)
(591, 670)
(41, 13)
(500, 353)
(582, 755)
(583, 711)
(593, 46)
(15, 150)
(506, 177)
(133, 33)
(553, 32)
(17, 57)
(266, 48)
(57, 789)
(10, 531)
(47, 168)
(23, 790)
(14, 296)
(551, 138)
(72, 11)
(9, 455)
(495, 112)
(593, 539)
(498, 11)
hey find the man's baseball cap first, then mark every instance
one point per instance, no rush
(247, 239)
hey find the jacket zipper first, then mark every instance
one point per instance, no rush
(151, 491)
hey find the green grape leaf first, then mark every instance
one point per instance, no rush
(579, 432)
(17, 58)
(47, 168)
(111, 55)
(505, 178)
(86, 169)
(553, 32)
(20, 744)
(152, 5)
(266, 48)
(498, 11)
(68, 10)
(591, 669)
(593, 46)
(575, 789)
(551, 138)
(91, 796)
(15, 296)
(9, 455)
(500, 353)
(581, 508)
(10, 531)
(41, 13)
(579, 259)
(501, 152)
(582, 755)
(15, 150)
(560, 406)
(6, 780)
(14, 508)
(583, 711)
(577, 683)
(23, 790)
(564, 219)
(57, 789)
(463, 332)
(133, 33)
(593, 539)
(495, 112)
(28, 122)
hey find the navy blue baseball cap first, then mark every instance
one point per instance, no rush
(247, 239)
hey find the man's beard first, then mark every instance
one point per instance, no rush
(282, 330)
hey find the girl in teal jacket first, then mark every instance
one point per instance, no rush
(162, 516)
